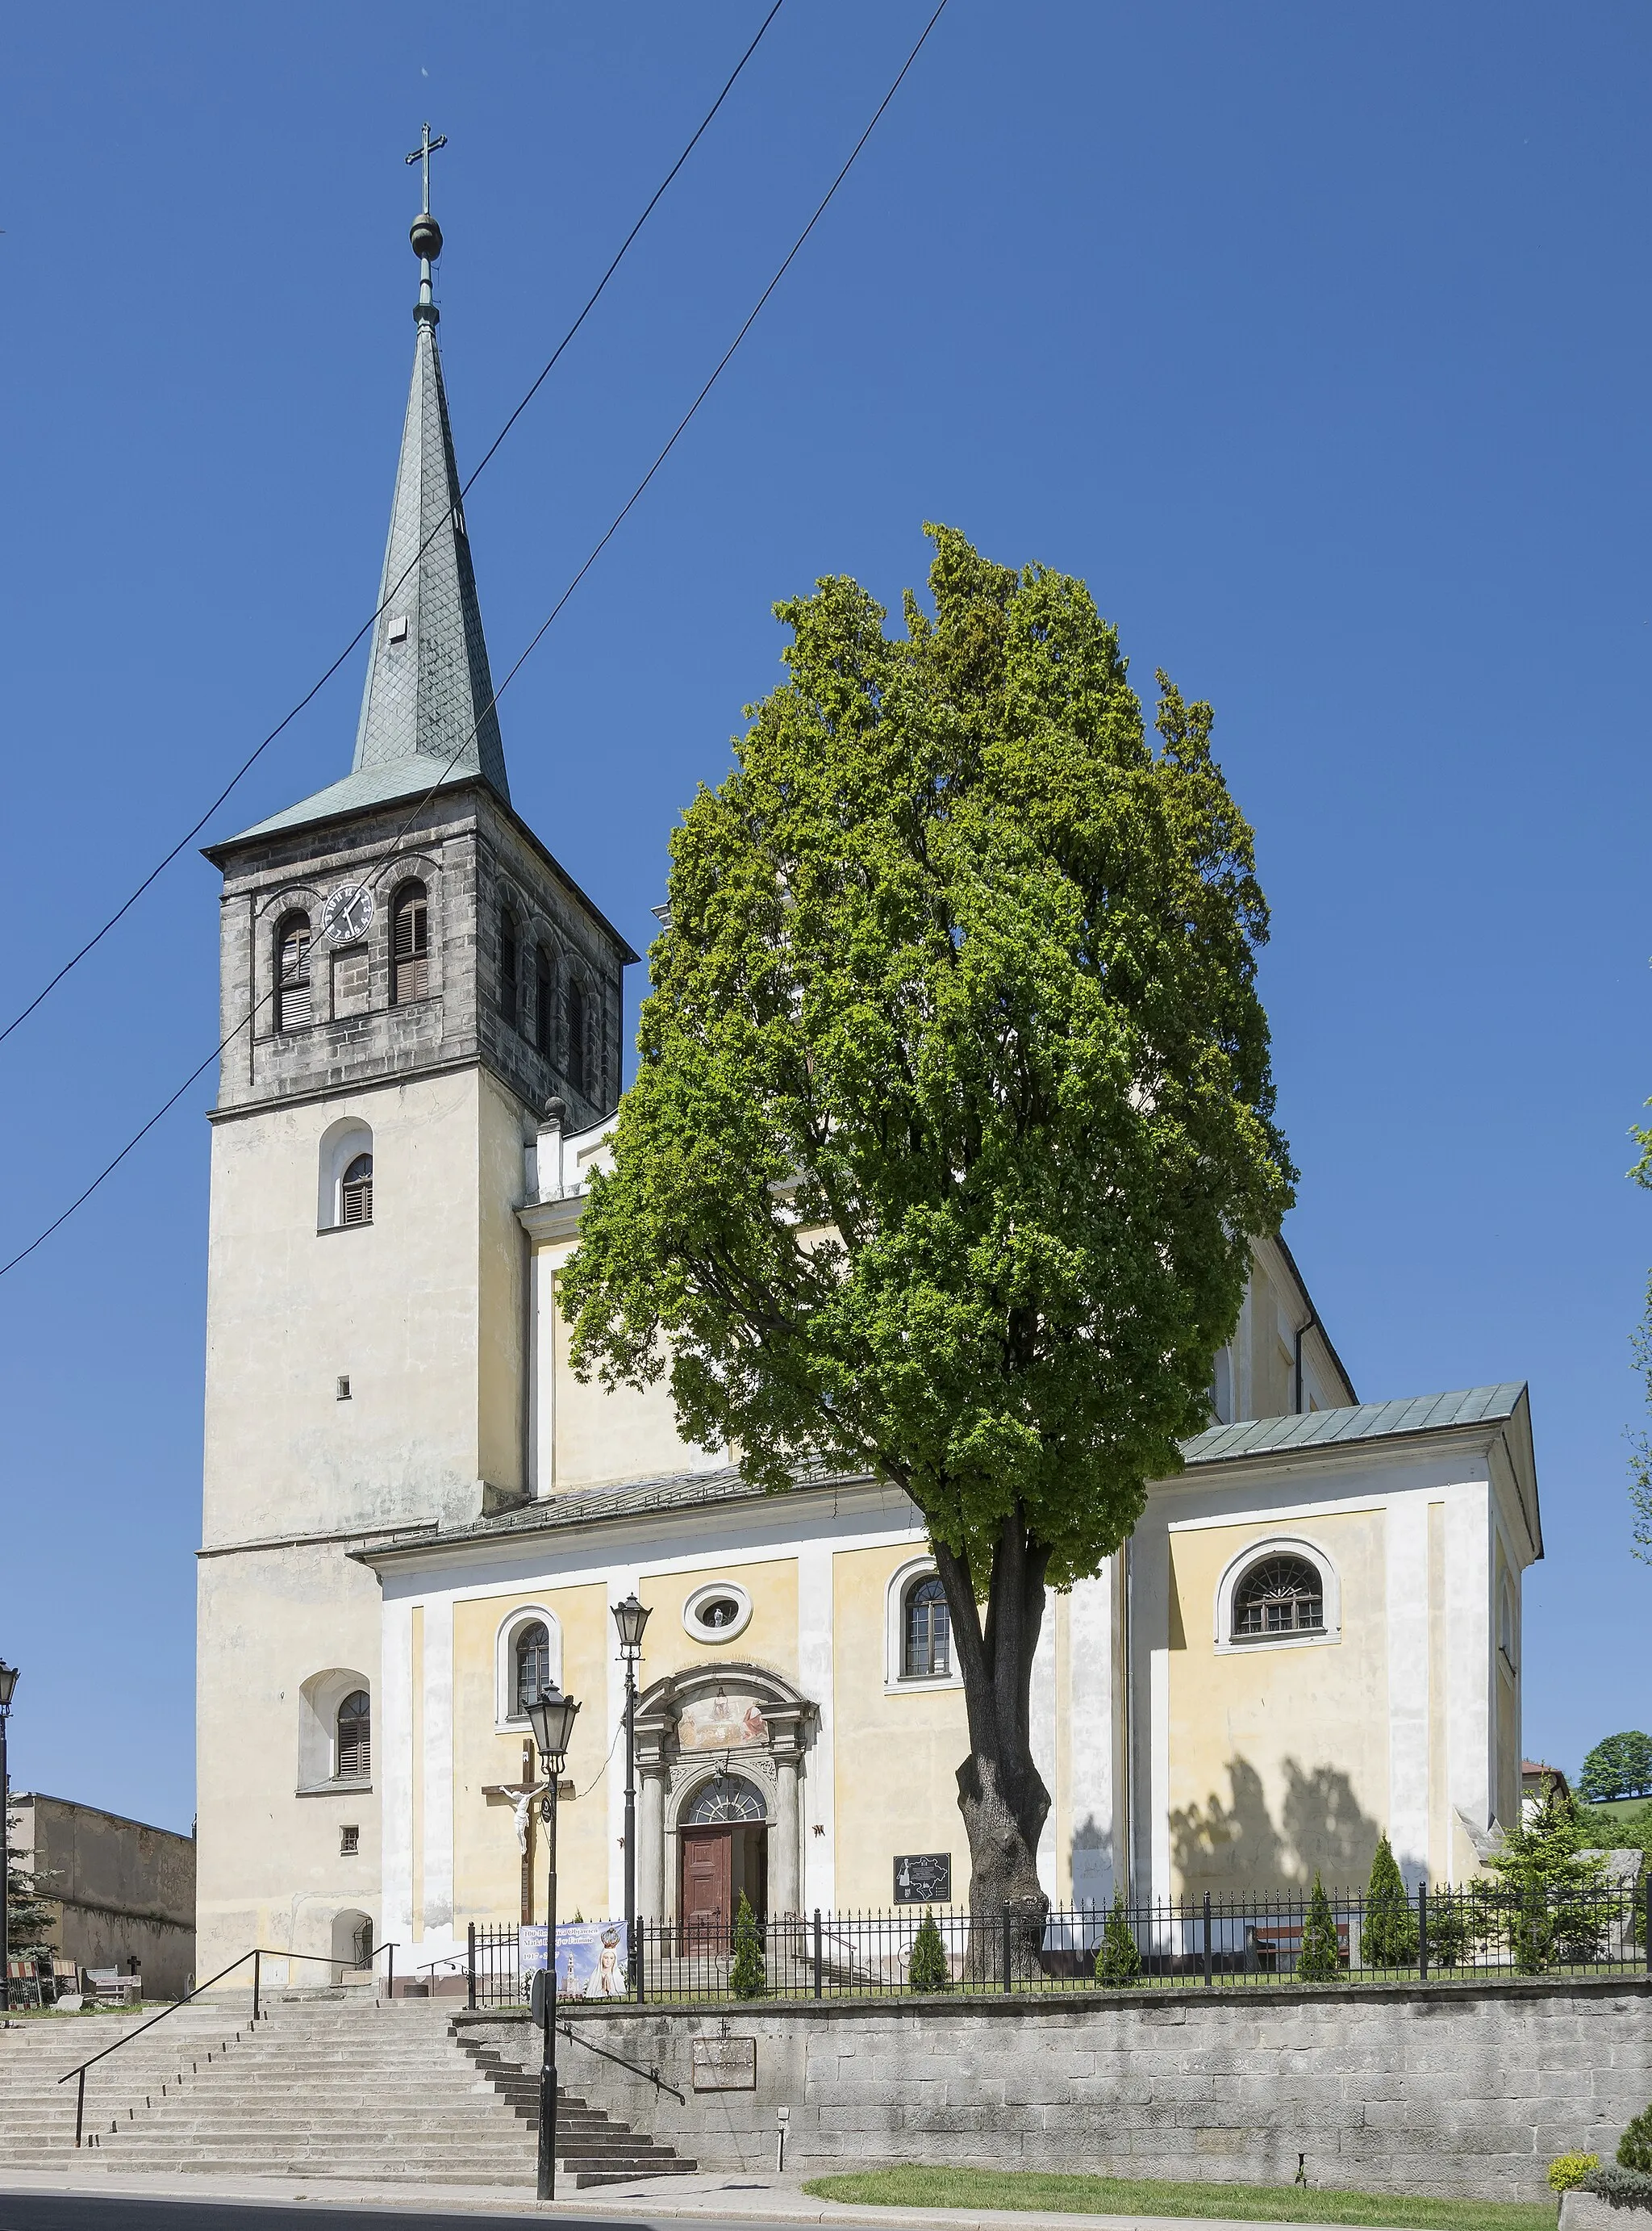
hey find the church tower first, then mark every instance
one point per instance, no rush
(407, 977)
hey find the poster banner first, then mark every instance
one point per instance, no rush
(590, 1957)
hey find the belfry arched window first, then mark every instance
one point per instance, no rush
(510, 966)
(927, 1632)
(294, 1009)
(532, 1664)
(409, 945)
(356, 1192)
(577, 1066)
(545, 1012)
(355, 1753)
(1278, 1596)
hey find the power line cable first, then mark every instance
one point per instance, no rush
(387, 858)
(285, 722)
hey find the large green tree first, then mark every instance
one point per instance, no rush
(1618, 1766)
(954, 1118)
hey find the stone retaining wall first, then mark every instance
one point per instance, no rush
(1458, 2089)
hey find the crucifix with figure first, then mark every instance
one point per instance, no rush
(519, 1796)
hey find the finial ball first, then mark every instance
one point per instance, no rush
(426, 236)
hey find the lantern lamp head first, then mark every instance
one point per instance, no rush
(630, 1617)
(552, 1717)
(7, 1683)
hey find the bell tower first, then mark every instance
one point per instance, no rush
(407, 976)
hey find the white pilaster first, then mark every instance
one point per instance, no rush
(1041, 1729)
(1407, 1525)
(438, 1765)
(393, 1770)
(1159, 1700)
(1470, 1675)
(815, 1679)
(1090, 1737)
(621, 1582)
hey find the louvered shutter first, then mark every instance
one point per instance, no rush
(294, 1010)
(411, 949)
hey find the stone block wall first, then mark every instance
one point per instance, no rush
(1449, 2089)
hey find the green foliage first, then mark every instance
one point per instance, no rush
(926, 1968)
(748, 1977)
(1118, 1960)
(1568, 2172)
(1448, 1929)
(1635, 2147)
(1388, 1938)
(30, 1915)
(1548, 1891)
(1319, 1960)
(954, 1117)
(1624, 2188)
(1621, 1766)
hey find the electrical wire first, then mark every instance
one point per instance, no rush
(310, 695)
(391, 851)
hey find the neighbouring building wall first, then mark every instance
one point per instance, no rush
(1458, 2090)
(124, 1892)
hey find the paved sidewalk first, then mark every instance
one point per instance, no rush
(719, 2195)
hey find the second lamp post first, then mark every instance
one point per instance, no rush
(552, 1717)
(630, 1618)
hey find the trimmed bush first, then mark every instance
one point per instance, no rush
(1319, 1960)
(1389, 1938)
(1635, 2147)
(747, 1978)
(1567, 2174)
(1118, 1962)
(927, 1969)
(1624, 2188)
(1448, 1929)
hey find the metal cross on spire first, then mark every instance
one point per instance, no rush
(423, 153)
(426, 233)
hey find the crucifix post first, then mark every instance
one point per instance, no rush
(426, 234)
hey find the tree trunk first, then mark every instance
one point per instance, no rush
(1000, 1793)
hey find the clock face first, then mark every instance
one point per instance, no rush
(348, 914)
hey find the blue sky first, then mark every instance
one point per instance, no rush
(1315, 340)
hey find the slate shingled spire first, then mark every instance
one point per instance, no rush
(429, 691)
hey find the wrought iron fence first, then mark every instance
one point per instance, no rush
(1482, 1932)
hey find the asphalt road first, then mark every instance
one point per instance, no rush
(91, 2211)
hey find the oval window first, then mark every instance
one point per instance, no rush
(717, 1612)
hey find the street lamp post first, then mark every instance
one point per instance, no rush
(630, 1618)
(7, 1683)
(551, 1718)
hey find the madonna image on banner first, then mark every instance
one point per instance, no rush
(590, 1957)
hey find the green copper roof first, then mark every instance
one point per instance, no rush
(1365, 1421)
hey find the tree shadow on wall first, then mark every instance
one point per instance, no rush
(1321, 1825)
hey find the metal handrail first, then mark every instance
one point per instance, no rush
(258, 1954)
(635, 2066)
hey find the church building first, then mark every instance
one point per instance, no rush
(414, 1514)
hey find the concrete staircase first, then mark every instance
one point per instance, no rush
(323, 2085)
(592, 2148)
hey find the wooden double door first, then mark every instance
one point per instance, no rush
(717, 1864)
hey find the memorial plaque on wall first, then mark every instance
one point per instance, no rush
(724, 2063)
(923, 1879)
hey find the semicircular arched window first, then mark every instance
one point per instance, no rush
(726, 1799)
(293, 1007)
(409, 945)
(926, 1632)
(1278, 1596)
(356, 1192)
(355, 1737)
(532, 1664)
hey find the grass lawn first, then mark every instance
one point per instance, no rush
(908, 2186)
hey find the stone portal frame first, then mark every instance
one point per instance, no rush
(671, 1776)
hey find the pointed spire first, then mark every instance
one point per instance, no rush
(429, 691)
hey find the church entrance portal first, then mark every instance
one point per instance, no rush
(724, 1840)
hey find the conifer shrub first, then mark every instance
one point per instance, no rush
(1448, 1928)
(1388, 1938)
(747, 1978)
(1568, 2173)
(1624, 2188)
(1118, 1961)
(1319, 1960)
(927, 1969)
(1635, 2147)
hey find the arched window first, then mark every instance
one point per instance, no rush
(355, 1753)
(532, 1664)
(293, 1009)
(409, 945)
(545, 1012)
(726, 1797)
(926, 1649)
(576, 1066)
(356, 1192)
(1278, 1596)
(510, 966)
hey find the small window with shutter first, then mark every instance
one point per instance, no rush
(355, 1738)
(409, 945)
(356, 1192)
(294, 1010)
